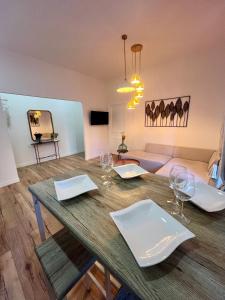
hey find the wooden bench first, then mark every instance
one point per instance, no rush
(124, 294)
(64, 261)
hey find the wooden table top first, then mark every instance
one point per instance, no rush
(195, 270)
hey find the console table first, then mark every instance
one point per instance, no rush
(36, 145)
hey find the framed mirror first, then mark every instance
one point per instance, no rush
(41, 125)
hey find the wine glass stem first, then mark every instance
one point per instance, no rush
(182, 208)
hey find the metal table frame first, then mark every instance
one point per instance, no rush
(56, 153)
(107, 291)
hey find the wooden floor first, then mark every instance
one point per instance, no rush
(21, 276)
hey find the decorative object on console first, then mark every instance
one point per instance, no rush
(125, 87)
(54, 135)
(170, 112)
(38, 137)
(122, 148)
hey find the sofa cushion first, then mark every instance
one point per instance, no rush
(159, 149)
(197, 168)
(149, 161)
(196, 154)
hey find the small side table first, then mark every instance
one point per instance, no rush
(125, 161)
(36, 145)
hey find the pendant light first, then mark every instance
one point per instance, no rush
(136, 77)
(140, 87)
(125, 87)
(131, 105)
(139, 95)
(136, 100)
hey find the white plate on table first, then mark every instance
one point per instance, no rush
(150, 232)
(129, 171)
(208, 198)
(72, 187)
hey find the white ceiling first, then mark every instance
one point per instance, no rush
(84, 35)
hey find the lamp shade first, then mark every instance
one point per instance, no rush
(135, 100)
(135, 79)
(139, 95)
(140, 87)
(125, 88)
(130, 105)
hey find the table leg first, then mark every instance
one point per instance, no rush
(57, 143)
(41, 225)
(38, 155)
(35, 150)
(56, 156)
(108, 289)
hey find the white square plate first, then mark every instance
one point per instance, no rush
(150, 232)
(72, 187)
(130, 171)
(208, 198)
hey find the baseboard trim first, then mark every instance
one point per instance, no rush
(33, 162)
(9, 181)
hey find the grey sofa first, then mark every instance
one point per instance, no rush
(159, 159)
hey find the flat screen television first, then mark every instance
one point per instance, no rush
(99, 117)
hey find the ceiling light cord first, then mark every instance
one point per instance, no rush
(125, 61)
(140, 63)
(135, 63)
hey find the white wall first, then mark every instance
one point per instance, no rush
(28, 76)
(200, 75)
(67, 119)
(8, 172)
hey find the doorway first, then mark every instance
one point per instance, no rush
(67, 124)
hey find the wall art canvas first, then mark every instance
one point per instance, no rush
(170, 112)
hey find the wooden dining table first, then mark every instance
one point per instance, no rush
(195, 270)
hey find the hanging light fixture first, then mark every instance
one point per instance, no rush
(136, 77)
(139, 95)
(130, 105)
(125, 87)
(136, 100)
(140, 87)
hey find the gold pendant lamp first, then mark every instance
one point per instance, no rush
(136, 77)
(125, 87)
(136, 66)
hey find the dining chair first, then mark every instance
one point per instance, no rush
(64, 261)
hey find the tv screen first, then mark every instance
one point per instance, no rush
(99, 118)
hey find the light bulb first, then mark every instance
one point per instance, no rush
(139, 95)
(140, 87)
(135, 79)
(130, 105)
(136, 101)
(125, 88)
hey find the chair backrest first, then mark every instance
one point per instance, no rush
(198, 154)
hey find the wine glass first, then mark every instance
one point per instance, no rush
(184, 190)
(106, 162)
(102, 161)
(172, 176)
